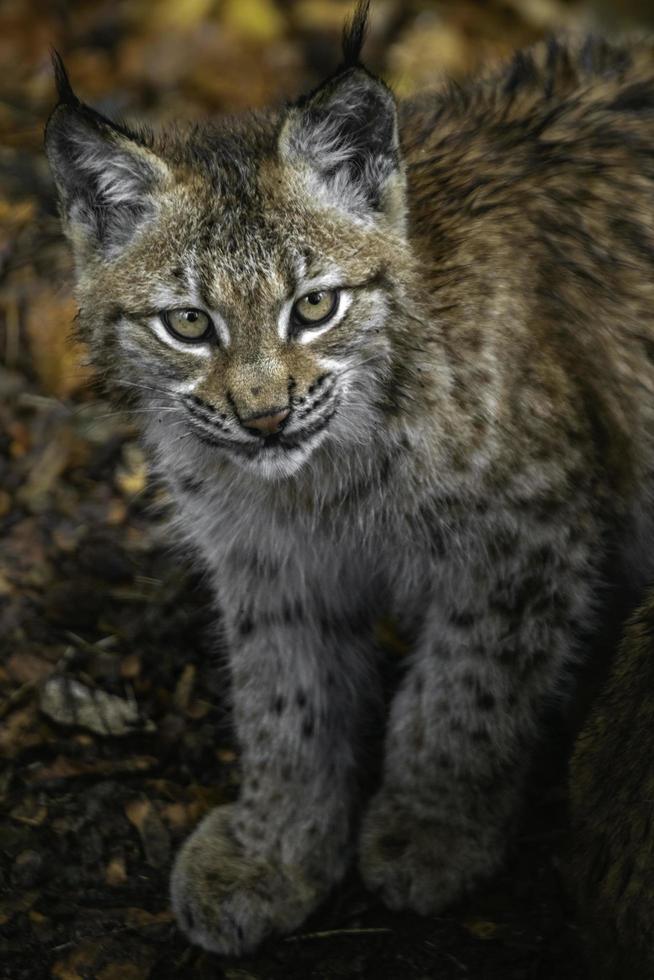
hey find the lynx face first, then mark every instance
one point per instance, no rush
(238, 281)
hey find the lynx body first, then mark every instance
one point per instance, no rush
(389, 359)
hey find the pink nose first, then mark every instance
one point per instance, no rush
(268, 424)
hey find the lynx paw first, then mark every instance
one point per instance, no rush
(416, 861)
(229, 902)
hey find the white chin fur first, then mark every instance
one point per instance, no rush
(279, 464)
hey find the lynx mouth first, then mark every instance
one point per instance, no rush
(296, 440)
(275, 447)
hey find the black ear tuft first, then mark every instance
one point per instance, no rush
(354, 35)
(64, 88)
(106, 176)
(343, 139)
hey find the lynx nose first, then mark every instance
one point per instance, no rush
(268, 424)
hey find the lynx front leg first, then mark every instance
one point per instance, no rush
(260, 866)
(460, 729)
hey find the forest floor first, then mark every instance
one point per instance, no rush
(114, 726)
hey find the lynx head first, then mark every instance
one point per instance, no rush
(242, 278)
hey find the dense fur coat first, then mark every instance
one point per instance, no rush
(611, 868)
(461, 443)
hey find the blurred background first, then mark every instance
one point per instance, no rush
(114, 735)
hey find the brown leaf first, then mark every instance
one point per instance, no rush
(20, 730)
(30, 812)
(137, 812)
(155, 838)
(28, 668)
(130, 666)
(176, 815)
(79, 963)
(14, 215)
(184, 688)
(21, 439)
(116, 872)
(116, 512)
(141, 918)
(58, 360)
(132, 476)
(61, 768)
(64, 768)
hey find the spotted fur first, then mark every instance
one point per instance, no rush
(610, 866)
(465, 447)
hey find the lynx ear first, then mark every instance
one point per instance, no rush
(344, 138)
(105, 175)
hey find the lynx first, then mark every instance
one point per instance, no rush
(392, 360)
(611, 865)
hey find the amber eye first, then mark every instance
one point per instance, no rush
(190, 325)
(315, 308)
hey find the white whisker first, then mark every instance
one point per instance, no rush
(135, 411)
